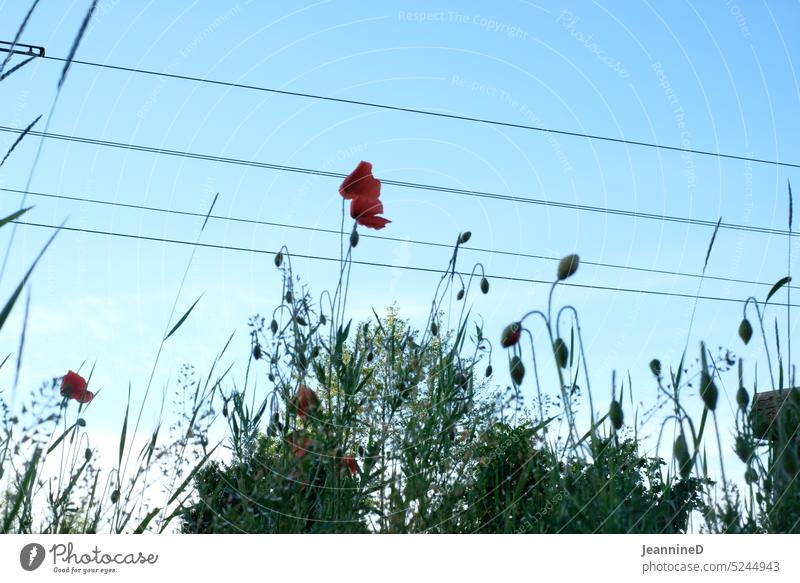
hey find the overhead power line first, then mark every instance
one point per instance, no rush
(383, 265)
(487, 251)
(402, 184)
(425, 112)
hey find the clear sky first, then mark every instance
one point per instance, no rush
(717, 75)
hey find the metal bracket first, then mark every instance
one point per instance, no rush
(21, 49)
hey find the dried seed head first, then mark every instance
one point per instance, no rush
(465, 236)
(568, 266)
(745, 331)
(517, 370)
(616, 415)
(484, 285)
(354, 238)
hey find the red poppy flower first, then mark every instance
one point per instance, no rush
(300, 443)
(73, 386)
(349, 462)
(304, 401)
(366, 210)
(360, 183)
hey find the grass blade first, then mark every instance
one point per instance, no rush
(778, 285)
(20, 137)
(18, 35)
(183, 318)
(77, 43)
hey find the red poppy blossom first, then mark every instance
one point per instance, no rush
(304, 401)
(73, 386)
(349, 462)
(300, 444)
(363, 190)
(360, 183)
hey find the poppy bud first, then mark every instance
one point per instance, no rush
(271, 377)
(289, 297)
(274, 326)
(300, 320)
(115, 496)
(81, 422)
(257, 351)
(465, 236)
(370, 356)
(460, 295)
(708, 391)
(743, 449)
(489, 370)
(510, 335)
(87, 454)
(681, 452)
(742, 398)
(322, 319)
(484, 285)
(561, 352)
(360, 451)
(655, 367)
(278, 258)
(461, 381)
(750, 476)
(745, 331)
(314, 351)
(568, 266)
(517, 370)
(354, 238)
(434, 329)
(616, 415)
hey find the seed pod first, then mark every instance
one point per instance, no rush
(434, 329)
(278, 258)
(115, 496)
(300, 320)
(510, 335)
(322, 319)
(460, 295)
(742, 398)
(289, 297)
(708, 391)
(567, 266)
(484, 285)
(561, 352)
(489, 370)
(465, 236)
(273, 326)
(81, 422)
(257, 351)
(517, 370)
(681, 452)
(271, 377)
(354, 238)
(616, 415)
(745, 331)
(655, 367)
(87, 454)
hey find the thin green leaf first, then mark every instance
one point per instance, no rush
(21, 137)
(76, 43)
(143, 524)
(124, 433)
(14, 216)
(183, 319)
(711, 244)
(778, 285)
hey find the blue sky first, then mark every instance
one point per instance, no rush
(717, 76)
